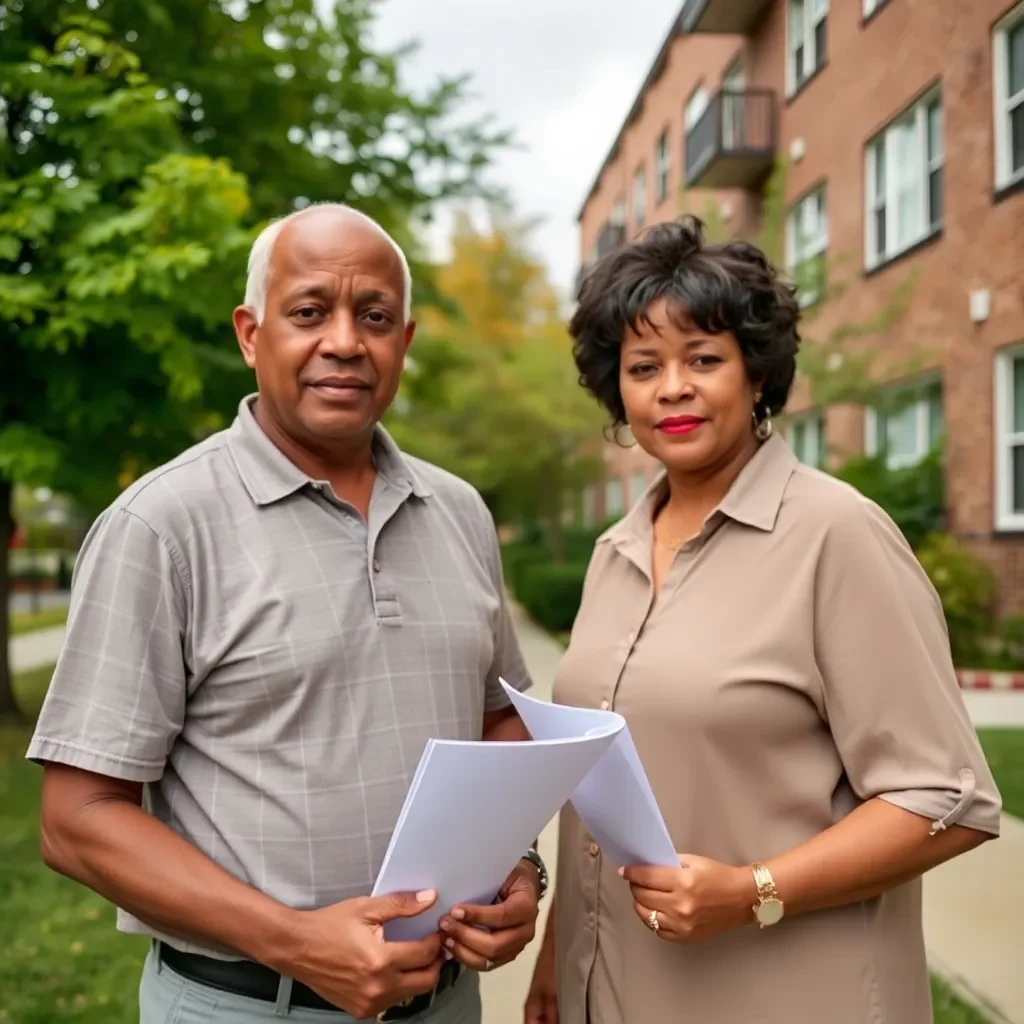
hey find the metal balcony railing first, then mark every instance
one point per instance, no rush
(734, 141)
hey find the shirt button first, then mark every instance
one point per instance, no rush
(594, 849)
(376, 565)
(605, 705)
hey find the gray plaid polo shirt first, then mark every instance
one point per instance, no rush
(271, 664)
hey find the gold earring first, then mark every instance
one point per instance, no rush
(762, 427)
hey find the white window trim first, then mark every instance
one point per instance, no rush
(816, 246)
(698, 102)
(1004, 104)
(815, 418)
(873, 258)
(810, 54)
(662, 168)
(1006, 518)
(921, 412)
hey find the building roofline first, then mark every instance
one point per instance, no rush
(654, 72)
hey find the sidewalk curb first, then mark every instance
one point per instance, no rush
(971, 679)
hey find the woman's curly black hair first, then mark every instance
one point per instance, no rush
(715, 287)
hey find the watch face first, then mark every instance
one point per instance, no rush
(769, 912)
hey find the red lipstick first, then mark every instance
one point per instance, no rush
(679, 424)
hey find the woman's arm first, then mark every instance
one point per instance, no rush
(875, 848)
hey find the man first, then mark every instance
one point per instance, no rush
(264, 634)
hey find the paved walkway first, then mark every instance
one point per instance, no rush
(36, 649)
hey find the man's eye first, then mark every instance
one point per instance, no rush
(377, 316)
(307, 312)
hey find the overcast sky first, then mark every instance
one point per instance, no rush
(561, 74)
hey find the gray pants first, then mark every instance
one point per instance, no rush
(168, 998)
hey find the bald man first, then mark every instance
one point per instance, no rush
(264, 633)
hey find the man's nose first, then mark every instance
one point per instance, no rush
(341, 338)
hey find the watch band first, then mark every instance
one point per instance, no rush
(764, 882)
(542, 872)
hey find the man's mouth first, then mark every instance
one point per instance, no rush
(680, 424)
(338, 385)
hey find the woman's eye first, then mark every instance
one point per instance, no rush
(641, 369)
(707, 360)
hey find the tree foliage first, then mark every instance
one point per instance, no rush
(142, 144)
(491, 392)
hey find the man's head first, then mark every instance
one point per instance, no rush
(326, 324)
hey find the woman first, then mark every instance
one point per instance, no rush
(783, 665)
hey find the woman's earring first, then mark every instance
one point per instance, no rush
(762, 427)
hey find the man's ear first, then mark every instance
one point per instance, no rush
(410, 330)
(246, 325)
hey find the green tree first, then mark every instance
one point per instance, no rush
(492, 393)
(130, 190)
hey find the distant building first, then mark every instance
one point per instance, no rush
(901, 125)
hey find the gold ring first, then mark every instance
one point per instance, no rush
(652, 922)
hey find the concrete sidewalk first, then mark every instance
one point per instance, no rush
(36, 649)
(973, 906)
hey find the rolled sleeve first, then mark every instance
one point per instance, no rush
(890, 690)
(116, 702)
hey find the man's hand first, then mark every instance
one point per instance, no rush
(344, 957)
(511, 923)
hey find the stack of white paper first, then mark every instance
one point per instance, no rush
(474, 807)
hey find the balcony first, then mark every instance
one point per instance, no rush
(581, 276)
(724, 17)
(734, 142)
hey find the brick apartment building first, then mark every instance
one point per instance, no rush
(900, 128)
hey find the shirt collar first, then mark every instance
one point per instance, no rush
(269, 475)
(754, 498)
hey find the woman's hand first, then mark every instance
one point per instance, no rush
(698, 900)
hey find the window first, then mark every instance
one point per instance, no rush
(590, 505)
(661, 167)
(806, 245)
(637, 486)
(618, 217)
(1010, 440)
(640, 196)
(808, 40)
(695, 107)
(733, 104)
(612, 497)
(905, 424)
(904, 182)
(870, 6)
(806, 436)
(1008, 62)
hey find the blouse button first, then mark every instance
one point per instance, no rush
(592, 919)
(605, 705)
(594, 849)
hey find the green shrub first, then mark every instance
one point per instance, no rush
(913, 497)
(551, 593)
(967, 586)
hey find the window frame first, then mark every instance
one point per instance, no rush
(931, 168)
(613, 484)
(1003, 104)
(1006, 440)
(639, 195)
(813, 61)
(817, 247)
(813, 418)
(873, 420)
(662, 168)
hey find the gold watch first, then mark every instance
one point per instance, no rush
(769, 908)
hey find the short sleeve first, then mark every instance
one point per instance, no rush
(890, 689)
(116, 702)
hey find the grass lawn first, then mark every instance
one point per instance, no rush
(26, 622)
(62, 959)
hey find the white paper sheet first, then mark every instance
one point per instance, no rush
(614, 799)
(472, 810)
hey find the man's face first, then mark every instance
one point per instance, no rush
(328, 355)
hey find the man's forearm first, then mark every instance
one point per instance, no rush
(142, 866)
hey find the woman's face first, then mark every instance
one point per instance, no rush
(688, 400)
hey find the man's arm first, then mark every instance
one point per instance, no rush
(504, 725)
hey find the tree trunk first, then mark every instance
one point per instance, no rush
(8, 705)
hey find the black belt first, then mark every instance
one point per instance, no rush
(246, 978)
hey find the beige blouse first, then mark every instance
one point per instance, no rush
(795, 664)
